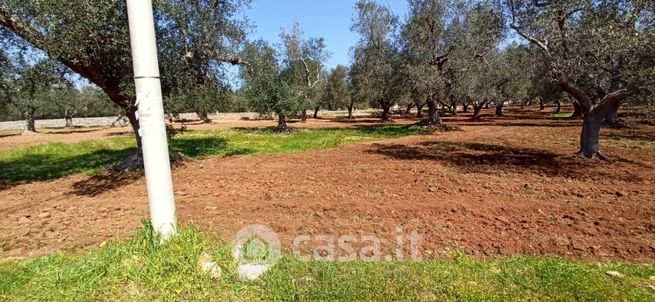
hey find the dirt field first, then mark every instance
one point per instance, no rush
(501, 186)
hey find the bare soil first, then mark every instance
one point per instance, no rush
(499, 186)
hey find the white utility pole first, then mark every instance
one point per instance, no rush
(151, 117)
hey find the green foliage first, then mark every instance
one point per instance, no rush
(303, 60)
(375, 76)
(336, 93)
(140, 269)
(597, 46)
(476, 66)
(53, 161)
(195, 39)
(265, 87)
(92, 39)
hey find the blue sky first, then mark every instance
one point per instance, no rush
(330, 19)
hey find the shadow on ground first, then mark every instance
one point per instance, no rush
(2, 135)
(104, 182)
(72, 130)
(42, 167)
(492, 159)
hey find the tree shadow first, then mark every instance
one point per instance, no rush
(505, 123)
(3, 135)
(71, 130)
(41, 167)
(491, 159)
(104, 182)
(31, 167)
(642, 137)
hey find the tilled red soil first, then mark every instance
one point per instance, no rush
(498, 187)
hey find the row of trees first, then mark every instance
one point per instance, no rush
(45, 89)
(472, 53)
(445, 53)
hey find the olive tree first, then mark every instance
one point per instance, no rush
(600, 52)
(475, 64)
(304, 59)
(376, 57)
(38, 86)
(425, 54)
(267, 85)
(91, 38)
(336, 91)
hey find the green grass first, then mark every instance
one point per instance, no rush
(138, 270)
(562, 115)
(53, 161)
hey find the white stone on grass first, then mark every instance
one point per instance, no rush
(250, 272)
(207, 266)
(614, 274)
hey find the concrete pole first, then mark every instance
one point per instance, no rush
(151, 117)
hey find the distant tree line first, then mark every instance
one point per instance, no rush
(445, 56)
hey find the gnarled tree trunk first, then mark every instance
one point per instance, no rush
(282, 122)
(499, 108)
(30, 120)
(612, 117)
(204, 117)
(542, 106)
(69, 121)
(477, 109)
(316, 109)
(433, 119)
(386, 111)
(592, 116)
(559, 106)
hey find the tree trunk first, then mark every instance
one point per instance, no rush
(134, 122)
(433, 120)
(453, 107)
(499, 108)
(419, 110)
(30, 120)
(386, 111)
(350, 110)
(542, 106)
(204, 117)
(577, 110)
(303, 115)
(409, 108)
(316, 111)
(559, 106)
(589, 146)
(477, 109)
(465, 107)
(612, 116)
(69, 121)
(68, 118)
(282, 123)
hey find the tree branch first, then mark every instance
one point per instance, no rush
(575, 92)
(13, 23)
(543, 45)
